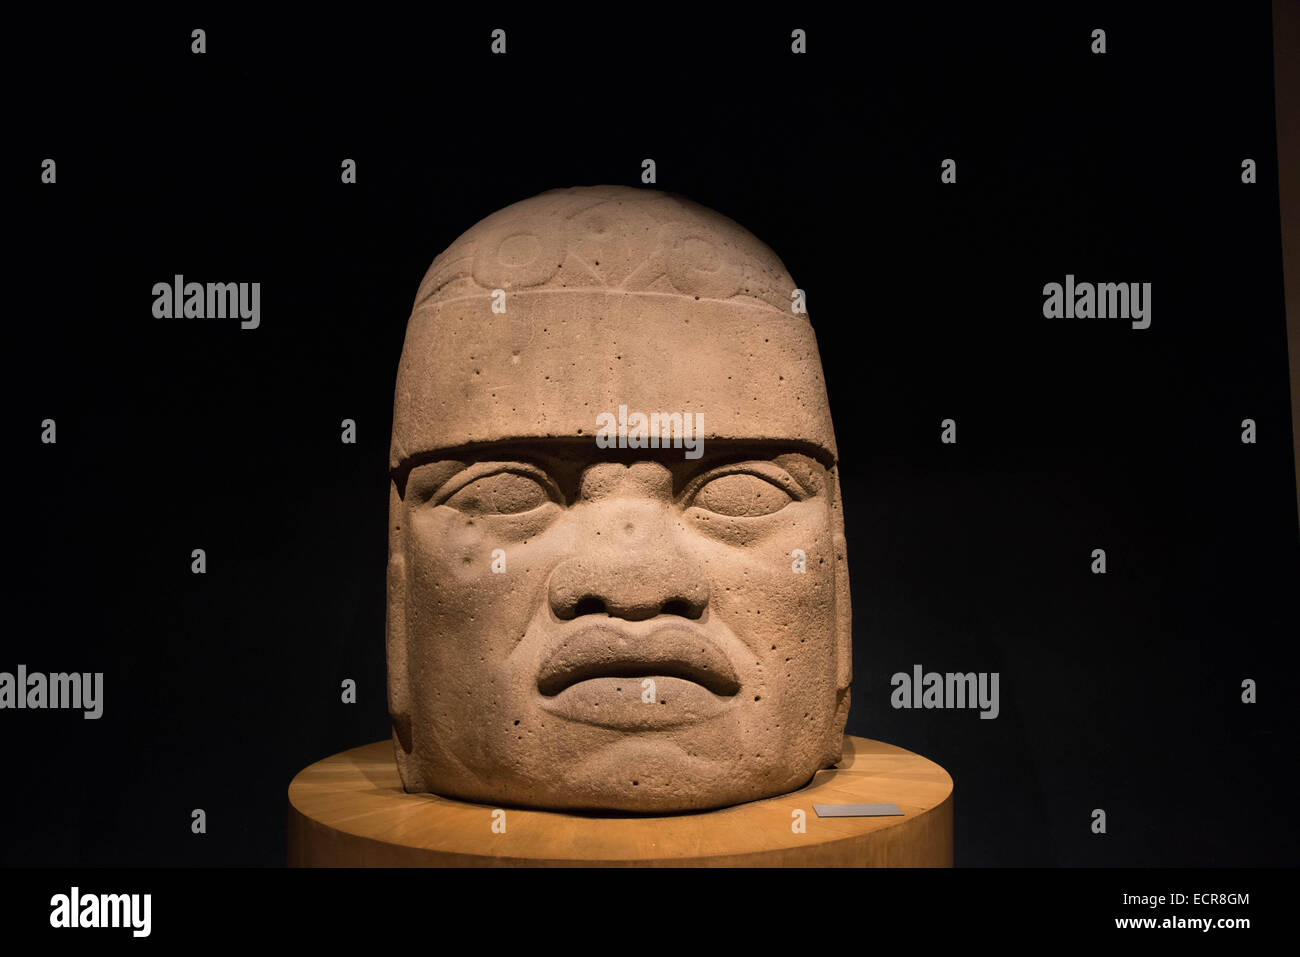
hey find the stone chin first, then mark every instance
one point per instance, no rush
(575, 625)
(635, 773)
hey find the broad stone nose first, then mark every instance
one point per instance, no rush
(629, 564)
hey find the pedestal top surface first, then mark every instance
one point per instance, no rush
(355, 800)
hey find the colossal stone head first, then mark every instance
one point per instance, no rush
(617, 575)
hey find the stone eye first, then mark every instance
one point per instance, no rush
(741, 494)
(501, 493)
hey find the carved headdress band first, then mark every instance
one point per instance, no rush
(596, 289)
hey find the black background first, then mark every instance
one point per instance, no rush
(1119, 692)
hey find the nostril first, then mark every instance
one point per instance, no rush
(589, 605)
(678, 607)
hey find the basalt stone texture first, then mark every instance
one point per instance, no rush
(617, 576)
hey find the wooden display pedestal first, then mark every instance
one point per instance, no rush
(349, 810)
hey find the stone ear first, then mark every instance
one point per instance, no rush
(843, 636)
(843, 603)
(399, 677)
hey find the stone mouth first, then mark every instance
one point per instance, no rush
(664, 650)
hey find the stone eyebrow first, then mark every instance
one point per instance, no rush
(541, 451)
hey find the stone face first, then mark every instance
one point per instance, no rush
(617, 575)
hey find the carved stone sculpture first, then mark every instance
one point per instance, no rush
(617, 576)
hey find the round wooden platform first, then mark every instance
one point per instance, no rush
(350, 810)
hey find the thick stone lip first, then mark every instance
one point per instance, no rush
(592, 703)
(613, 649)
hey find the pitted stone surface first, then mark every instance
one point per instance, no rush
(580, 624)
